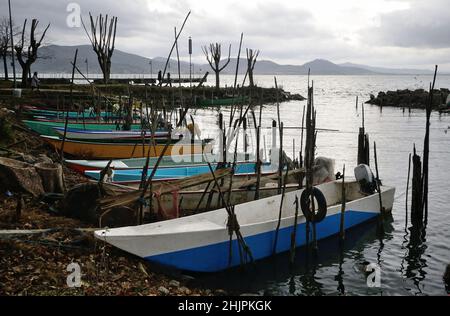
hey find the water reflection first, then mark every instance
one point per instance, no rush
(306, 275)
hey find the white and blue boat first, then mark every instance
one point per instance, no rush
(201, 242)
(132, 176)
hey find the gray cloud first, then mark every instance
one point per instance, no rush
(284, 31)
(425, 25)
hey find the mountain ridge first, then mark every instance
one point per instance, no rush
(55, 59)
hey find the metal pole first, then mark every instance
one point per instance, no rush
(12, 44)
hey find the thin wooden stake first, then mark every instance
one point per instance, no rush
(407, 191)
(71, 101)
(343, 204)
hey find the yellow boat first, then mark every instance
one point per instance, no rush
(91, 150)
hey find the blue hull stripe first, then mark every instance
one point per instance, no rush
(212, 258)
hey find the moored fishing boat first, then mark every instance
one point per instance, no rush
(182, 160)
(34, 111)
(98, 150)
(79, 134)
(132, 176)
(47, 127)
(202, 242)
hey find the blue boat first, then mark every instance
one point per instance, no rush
(132, 176)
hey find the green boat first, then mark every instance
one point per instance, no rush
(46, 128)
(222, 102)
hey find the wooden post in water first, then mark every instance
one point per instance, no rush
(343, 204)
(382, 211)
(417, 197)
(280, 160)
(258, 162)
(426, 147)
(363, 144)
(407, 191)
(294, 233)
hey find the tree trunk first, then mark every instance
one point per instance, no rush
(52, 177)
(25, 71)
(5, 66)
(250, 78)
(217, 80)
(17, 176)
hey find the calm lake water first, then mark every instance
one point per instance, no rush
(408, 267)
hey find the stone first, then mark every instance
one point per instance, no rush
(185, 290)
(174, 283)
(163, 290)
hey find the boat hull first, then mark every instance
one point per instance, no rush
(201, 242)
(133, 176)
(91, 150)
(47, 128)
(82, 166)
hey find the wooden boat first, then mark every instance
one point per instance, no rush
(71, 114)
(222, 102)
(92, 150)
(79, 134)
(135, 163)
(201, 242)
(138, 163)
(131, 176)
(47, 127)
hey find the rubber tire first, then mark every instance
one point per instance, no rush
(321, 206)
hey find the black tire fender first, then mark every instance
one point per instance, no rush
(321, 206)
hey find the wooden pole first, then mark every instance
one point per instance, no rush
(407, 191)
(294, 233)
(382, 211)
(71, 101)
(258, 162)
(173, 46)
(426, 148)
(343, 204)
(417, 191)
(280, 160)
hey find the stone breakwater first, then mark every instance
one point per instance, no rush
(409, 98)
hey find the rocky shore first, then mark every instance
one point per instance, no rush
(416, 99)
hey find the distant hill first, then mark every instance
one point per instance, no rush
(390, 71)
(56, 59)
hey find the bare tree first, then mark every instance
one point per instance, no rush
(4, 44)
(213, 54)
(251, 61)
(28, 56)
(103, 37)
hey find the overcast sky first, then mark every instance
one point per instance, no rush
(391, 33)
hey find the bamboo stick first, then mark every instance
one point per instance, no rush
(71, 101)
